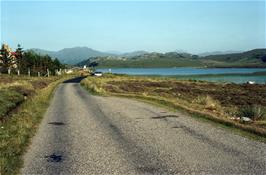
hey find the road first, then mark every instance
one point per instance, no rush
(85, 134)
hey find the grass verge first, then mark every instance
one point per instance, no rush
(9, 99)
(15, 133)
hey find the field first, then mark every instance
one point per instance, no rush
(23, 102)
(229, 104)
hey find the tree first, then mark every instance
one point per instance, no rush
(93, 64)
(7, 59)
(263, 58)
(40, 63)
(19, 56)
(27, 60)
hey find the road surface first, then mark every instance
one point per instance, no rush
(85, 134)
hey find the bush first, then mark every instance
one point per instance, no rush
(254, 112)
(93, 86)
(208, 102)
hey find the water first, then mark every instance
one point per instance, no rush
(181, 71)
(197, 71)
(233, 79)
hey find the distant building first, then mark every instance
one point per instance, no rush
(69, 71)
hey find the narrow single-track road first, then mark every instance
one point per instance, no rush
(85, 134)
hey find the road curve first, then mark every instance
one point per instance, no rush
(85, 134)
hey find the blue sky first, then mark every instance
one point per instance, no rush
(193, 26)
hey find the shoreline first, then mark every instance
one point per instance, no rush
(199, 67)
(204, 77)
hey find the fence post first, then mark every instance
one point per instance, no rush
(48, 73)
(18, 72)
(29, 72)
(9, 71)
(39, 74)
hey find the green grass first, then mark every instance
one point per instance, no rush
(9, 99)
(16, 132)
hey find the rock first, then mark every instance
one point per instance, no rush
(251, 82)
(246, 119)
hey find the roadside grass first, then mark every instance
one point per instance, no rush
(219, 103)
(9, 99)
(16, 89)
(21, 125)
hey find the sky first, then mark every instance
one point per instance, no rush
(161, 26)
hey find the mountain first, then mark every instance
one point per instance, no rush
(72, 55)
(43, 52)
(77, 54)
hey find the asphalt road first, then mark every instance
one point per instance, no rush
(85, 134)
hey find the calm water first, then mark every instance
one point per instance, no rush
(233, 79)
(196, 71)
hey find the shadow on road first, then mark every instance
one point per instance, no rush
(74, 80)
(56, 123)
(54, 158)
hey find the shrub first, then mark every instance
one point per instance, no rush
(254, 112)
(208, 102)
(93, 86)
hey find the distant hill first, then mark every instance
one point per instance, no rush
(85, 55)
(133, 54)
(148, 60)
(77, 54)
(253, 58)
(218, 53)
(73, 55)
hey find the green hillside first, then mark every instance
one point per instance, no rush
(253, 58)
